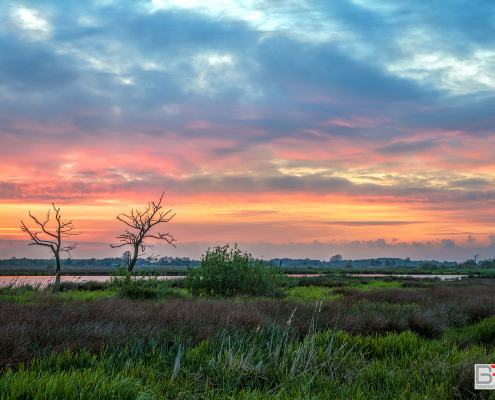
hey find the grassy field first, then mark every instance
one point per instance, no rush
(347, 338)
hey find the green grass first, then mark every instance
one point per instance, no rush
(34, 297)
(268, 363)
(87, 296)
(21, 298)
(312, 293)
(376, 285)
(319, 293)
(482, 334)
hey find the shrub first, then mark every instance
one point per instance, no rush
(175, 283)
(68, 286)
(412, 284)
(130, 285)
(90, 286)
(136, 292)
(228, 272)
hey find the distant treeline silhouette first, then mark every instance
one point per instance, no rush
(185, 261)
(373, 262)
(94, 262)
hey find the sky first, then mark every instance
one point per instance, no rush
(294, 128)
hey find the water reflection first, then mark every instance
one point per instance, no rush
(43, 281)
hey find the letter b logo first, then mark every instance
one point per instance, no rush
(483, 374)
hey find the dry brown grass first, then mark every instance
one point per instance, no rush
(51, 323)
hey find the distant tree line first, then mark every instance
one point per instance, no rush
(284, 262)
(338, 261)
(94, 262)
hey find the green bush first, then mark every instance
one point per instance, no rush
(90, 286)
(136, 292)
(121, 278)
(134, 286)
(229, 272)
(412, 284)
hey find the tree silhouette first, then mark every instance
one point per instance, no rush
(126, 257)
(52, 240)
(476, 257)
(139, 225)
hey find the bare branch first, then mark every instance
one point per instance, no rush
(68, 249)
(120, 218)
(143, 222)
(63, 229)
(34, 236)
(114, 246)
(167, 237)
(42, 244)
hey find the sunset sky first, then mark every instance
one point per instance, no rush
(295, 128)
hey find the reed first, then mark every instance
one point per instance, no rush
(419, 342)
(272, 362)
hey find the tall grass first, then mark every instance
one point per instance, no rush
(265, 363)
(381, 343)
(40, 322)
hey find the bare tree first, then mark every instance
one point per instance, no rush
(52, 240)
(126, 257)
(139, 225)
(476, 257)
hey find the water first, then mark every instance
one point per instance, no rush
(46, 280)
(442, 277)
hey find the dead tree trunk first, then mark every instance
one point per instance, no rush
(56, 285)
(135, 257)
(53, 239)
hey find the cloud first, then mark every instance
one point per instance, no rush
(402, 147)
(359, 249)
(377, 103)
(146, 177)
(470, 240)
(370, 223)
(448, 243)
(475, 183)
(9, 190)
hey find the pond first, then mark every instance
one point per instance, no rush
(442, 277)
(46, 280)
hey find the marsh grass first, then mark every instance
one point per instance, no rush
(34, 322)
(481, 334)
(89, 286)
(16, 286)
(272, 362)
(312, 294)
(394, 342)
(332, 289)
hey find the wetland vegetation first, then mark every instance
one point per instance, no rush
(329, 336)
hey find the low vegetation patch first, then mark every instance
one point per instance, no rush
(90, 286)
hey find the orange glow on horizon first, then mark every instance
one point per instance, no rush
(273, 218)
